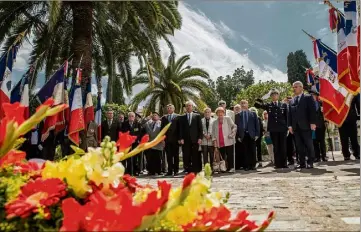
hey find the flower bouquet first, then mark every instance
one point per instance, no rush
(89, 191)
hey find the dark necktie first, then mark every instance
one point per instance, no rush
(189, 118)
(153, 126)
(245, 119)
(169, 118)
(207, 124)
(297, 100)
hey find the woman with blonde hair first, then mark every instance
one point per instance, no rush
(224, 132)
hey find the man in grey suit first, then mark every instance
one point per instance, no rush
(248, 129)
(153, 155)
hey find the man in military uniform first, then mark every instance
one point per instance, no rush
(277, 126)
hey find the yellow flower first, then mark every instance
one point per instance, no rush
(181, 215)
(141, 195)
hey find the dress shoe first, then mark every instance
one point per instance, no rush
(260, 164)
(357, 157)
(317, 160)
(325, 159)
(310, 166)
(300, 166)
(168, 174)
(347, 158)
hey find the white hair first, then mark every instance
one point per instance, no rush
(297, 83)
(171, 106)
(131, 114)
(189, 103)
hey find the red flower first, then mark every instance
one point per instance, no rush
(131, 183)
(12, 157)
(188, 180)
(3, 125)
(29, 167)
(14, 112)
(34, 194)
(153, 203)
(125, 140)
(144, 139)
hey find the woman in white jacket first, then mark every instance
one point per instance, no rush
(224, 132)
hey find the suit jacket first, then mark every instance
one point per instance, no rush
(191, 132)
(206, 142)
(92, 135)
(136, 130)
(277, 115)
(172, 134)
(253, 126)
(354, 112)
(153, 129)
(112, 131)
(320, 120)
(302, 115)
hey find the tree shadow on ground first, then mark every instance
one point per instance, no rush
(353, 171)
(338, 162)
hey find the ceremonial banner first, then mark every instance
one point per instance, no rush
(336, 99)
(20, 93)
(63, 116)
(53, 88)
(343, 70)
(98, 118)
(312, 80)
(352, 38)
(88, 105)
(76, 123)
(5, 86)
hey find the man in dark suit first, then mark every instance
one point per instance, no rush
(348, 130)
(301, 123)
(132, 165)
(277, 126)
(319, 142)
(171, 140)
(110, 127)
(190, 138)
(248, 129)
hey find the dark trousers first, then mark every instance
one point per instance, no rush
(208, 154)
(290, 148)
(132, 164)
(239, 157)
(163, 163)
(319, 143)
(192, 161)
(228, 155)
(348, 131)
(279, 141)
(248, 152)
(153, 157)
(304, 144)
(32, 152)
(259, 149)
(172, 152)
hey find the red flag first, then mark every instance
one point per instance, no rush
(337, 117)
(76, 123)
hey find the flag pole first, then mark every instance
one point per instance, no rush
(311, 37)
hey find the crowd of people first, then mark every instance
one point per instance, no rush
(292, 129)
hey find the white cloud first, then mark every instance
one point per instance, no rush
(22, 57)
(323, 31)
(204, 41)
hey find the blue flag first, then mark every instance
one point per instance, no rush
(50, 87)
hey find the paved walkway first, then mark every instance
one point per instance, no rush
(326, 198)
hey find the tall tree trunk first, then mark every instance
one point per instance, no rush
(82, 38)
(109, 98)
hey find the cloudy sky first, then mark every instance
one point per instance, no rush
(223, 35)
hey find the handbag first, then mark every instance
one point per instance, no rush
(219, 165)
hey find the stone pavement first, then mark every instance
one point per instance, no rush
(326, 198)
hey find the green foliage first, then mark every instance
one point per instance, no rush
(173, 83)
(118, 97)
(227, 88)
(116, 108)
(259, 90)
(296, 66)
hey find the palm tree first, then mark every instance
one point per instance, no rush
(102, 35)
(175, 84)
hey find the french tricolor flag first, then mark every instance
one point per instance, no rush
(352, 31)
(6, 68)
(344, 74)
(88, 105)
(63, 116)
(76, 123)
(312, 80)
(98, 118)
(20, 93)
(336, 99)
(54, 88)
